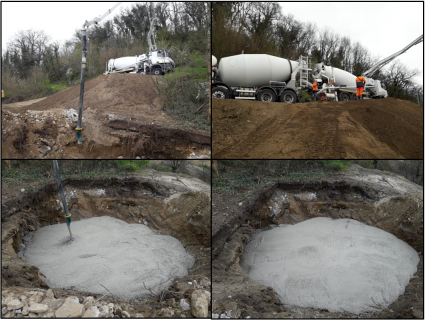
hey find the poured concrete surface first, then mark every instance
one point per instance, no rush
(334, 264)
(107, 251)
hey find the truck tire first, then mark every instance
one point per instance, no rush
(220, 93)
(266, 95)
(156, 72)
(288, 97)
(344, 97)
(353, 96)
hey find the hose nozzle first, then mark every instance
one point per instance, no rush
(79, 135)
(68, 224)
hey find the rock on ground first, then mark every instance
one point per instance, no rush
(199, 304)
(70, 309)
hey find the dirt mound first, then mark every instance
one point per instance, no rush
(46, 128)
(380, 129)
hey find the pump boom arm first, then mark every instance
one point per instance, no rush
(98, 19)
(383, 62)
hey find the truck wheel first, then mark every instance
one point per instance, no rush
(353, 96)
(266, 95)
(220, 93)
(156, 72)
(344, 97)
(288, 97)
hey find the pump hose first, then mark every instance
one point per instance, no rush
(65, 206)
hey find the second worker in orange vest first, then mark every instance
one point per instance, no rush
(360, 82)
(315, 89)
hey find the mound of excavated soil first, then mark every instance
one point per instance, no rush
(122, 116)
(387, 128)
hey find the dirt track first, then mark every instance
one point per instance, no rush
(122, 116)
(381, 129)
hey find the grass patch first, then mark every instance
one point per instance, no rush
(195, 72)
(132, 165)
(337, 165)
(56, 87)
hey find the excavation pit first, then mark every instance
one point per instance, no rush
(171, 212)
(374, 199)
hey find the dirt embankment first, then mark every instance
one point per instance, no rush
(122, 116)
(373, 197)
(180, 208)
(365, 129)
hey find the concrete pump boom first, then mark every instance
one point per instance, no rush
(383, 62)
(150, 33)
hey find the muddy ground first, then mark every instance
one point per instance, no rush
(367, 129)
(377, 198)
(122, 116)
(169, 206)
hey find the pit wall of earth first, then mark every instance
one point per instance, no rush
(398, 213)
(166, 209)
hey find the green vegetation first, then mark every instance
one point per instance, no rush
(132, 165)
(194, 72)
(54, 87)
(337, 165)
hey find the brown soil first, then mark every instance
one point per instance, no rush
(170, 208)
(378, 129)
(360, 194)
(40, 129)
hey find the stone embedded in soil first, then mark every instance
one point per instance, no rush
(92, 312)
(49, 294)
(122, 257)
(199, 304)
(14, 304)
(184, 305)
(337, 265)
(70, 309)
(38, 308)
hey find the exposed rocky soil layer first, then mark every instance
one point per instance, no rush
(167, 205)
(365, 129)
(122, 116)
(380, 199)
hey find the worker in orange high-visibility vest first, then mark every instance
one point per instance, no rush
(360, 82)
(315, 89)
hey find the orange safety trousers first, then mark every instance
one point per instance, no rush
(359, 91)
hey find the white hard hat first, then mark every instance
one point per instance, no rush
(318, 80)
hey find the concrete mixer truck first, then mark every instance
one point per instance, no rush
(268, 78)
(157, 62)
(346, 82)
(254, 76)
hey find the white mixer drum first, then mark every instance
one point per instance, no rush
(254, 70)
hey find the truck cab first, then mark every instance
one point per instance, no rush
(377, 89)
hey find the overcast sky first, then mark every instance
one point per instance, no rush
(59, 20)
(381, 27)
